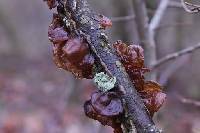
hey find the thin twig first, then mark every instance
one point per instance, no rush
(189, 101)
(158, 15)
(123, 18)
(171, 69)
(132, 17)
(176, 24)
(155, 22)
(175, 55)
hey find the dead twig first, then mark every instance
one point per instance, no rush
(158, 15)
(175, 55)
(189, 101)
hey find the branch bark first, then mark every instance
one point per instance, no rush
(89, 27)
(189, 101)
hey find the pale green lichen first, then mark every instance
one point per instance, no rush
(104, 82)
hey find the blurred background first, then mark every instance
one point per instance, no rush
(37, 97)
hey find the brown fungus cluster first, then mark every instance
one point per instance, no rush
(106, 108)
(132, 57)
(152, 96)
(71, 52)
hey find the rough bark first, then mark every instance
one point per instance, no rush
(87, 25)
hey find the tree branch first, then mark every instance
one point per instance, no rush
(176, 24)
(175, 55)
(132, 17)
(89, 27)
(158, 15)
(189, 101)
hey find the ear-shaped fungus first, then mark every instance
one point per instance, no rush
(70, 52)
(106, 108)
(152, 96)
(132, 57)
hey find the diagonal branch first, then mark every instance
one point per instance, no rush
(89, 27)
(189, 101)
(161, 10)
(175, 55)
(132, 17)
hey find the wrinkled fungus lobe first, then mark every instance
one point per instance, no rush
(73, 56)
(132, 57)
(106, 108)
(107, 104)
(75, 50)
(70, 52)
(152, 96)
